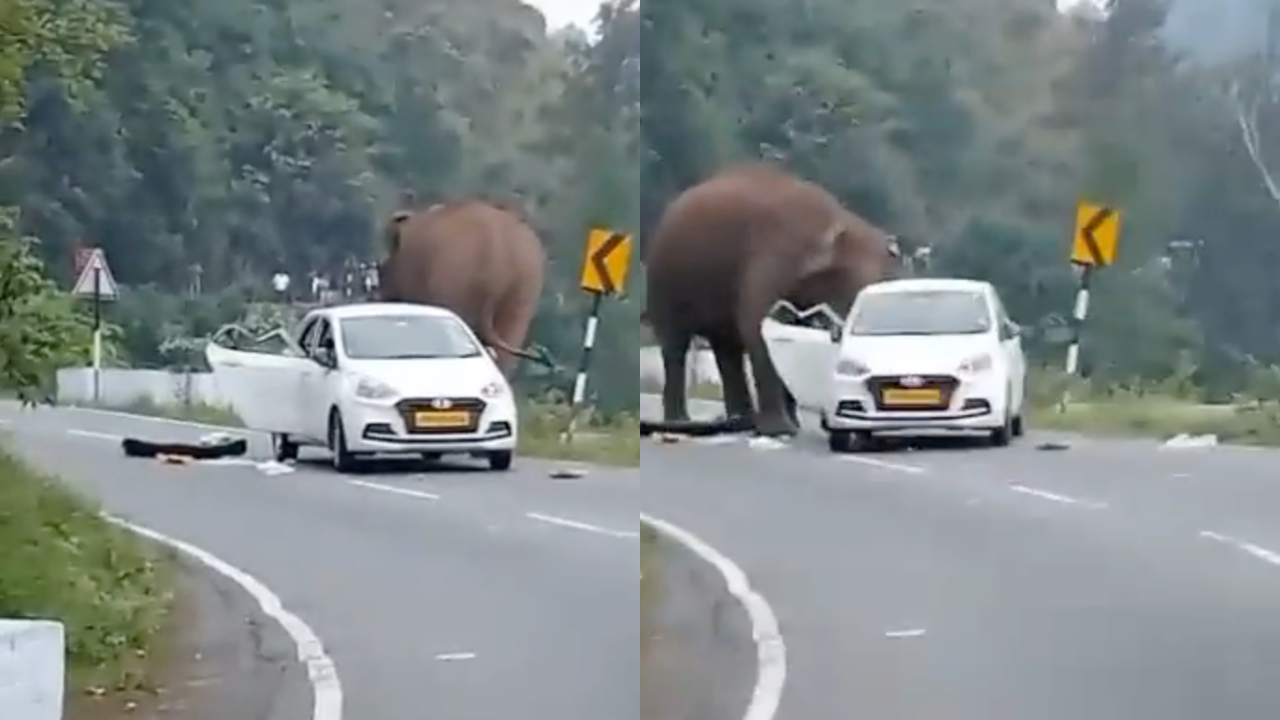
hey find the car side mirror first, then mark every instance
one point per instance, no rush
(837, 334)
(1010, 331)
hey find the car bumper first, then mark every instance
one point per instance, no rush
(976, 403)
(381, 428)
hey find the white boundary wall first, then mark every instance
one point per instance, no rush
(702, 367)
(122, 387)
(32, 669)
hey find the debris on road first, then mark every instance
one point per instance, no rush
(1053, 445)
(1190, 442)
(207, 449)
(568, 473)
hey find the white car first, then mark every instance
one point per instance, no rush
(376, 378)
(913, 355)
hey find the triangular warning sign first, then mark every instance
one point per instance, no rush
(95, 278)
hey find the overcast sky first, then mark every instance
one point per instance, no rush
(567, 12)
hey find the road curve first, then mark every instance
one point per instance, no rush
(460, 595)
(1110, 581)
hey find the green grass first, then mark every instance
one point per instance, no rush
(599, 440)
(60, 560)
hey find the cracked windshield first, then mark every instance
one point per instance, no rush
(390, 359)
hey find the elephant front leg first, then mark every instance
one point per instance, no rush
(731, 362)
(675, 393)
(777, 408)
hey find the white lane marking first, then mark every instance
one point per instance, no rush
(417, 494)
(321, 671)
(453, 657)
(95, 435)
(1055, 497)
(884, 464)
(771, 650)
(912, 633)
(579, 525)
(1268, 556)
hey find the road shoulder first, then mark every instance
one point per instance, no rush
(699, 657)
(221, 658)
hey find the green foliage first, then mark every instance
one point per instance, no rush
(60, 559)
(41, 330)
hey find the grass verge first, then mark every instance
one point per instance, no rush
(60, 560)
(606, 441)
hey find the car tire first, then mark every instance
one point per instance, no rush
(283, 449)
(343, 459)
(500, 460)
(840, 441)
(1019, 426)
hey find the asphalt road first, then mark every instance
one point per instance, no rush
(446, 594)
(1114, 580)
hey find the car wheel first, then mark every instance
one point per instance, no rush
(1001, 436)
(839, 441)
(1019, 427)
(500, 460)
(284, 449)
(822, 422)
(343, 460)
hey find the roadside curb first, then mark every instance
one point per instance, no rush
(771, 651)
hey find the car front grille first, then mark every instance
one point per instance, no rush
(410, 408)
(881, 385)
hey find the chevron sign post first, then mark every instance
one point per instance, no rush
(605, 267)
(1094, 245)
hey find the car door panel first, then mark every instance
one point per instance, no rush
(805, 358)
(262, 387)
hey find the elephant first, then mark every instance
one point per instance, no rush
(475, 258)
(724, 252)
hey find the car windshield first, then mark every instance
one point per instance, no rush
(406, 337)
(922, 312)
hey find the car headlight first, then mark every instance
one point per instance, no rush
(852, 368)
(976, 364)
(370, 389)
(493, 390)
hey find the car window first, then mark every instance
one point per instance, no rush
(922, 312)
(324, 335)
(306, 335)
(396, 337)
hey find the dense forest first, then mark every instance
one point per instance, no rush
(975, 126)
(208, 146)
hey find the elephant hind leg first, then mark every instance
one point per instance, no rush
(674, 345)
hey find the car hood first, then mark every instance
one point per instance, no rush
(915, 354)
(435, 377)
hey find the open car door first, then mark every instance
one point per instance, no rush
(263, 388)
(804, 347)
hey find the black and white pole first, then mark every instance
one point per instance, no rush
(1078, 316)
(584, 366)
(97, 335)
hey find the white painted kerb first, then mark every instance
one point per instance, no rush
(771, 651)
(32, 668)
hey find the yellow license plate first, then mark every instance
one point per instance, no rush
(440, 419)
(912, 397)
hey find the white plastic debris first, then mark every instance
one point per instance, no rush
(272, 467)
(1190, 442)
(765, 443)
